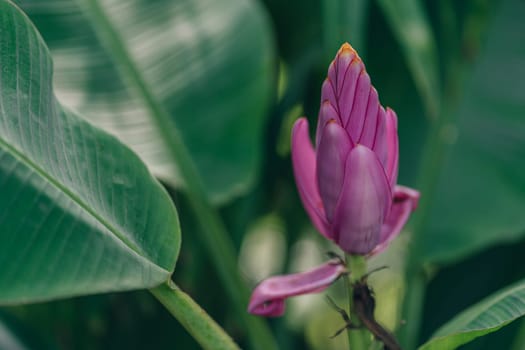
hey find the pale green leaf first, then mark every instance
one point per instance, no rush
(480, 199)
(79, 212)
(206, 64)
(485, 317)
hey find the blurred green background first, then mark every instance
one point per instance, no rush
(235, 75)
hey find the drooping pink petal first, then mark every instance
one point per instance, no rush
(404, 203)
(327, 112)
(304, 167)
(268, 297)
(392, 146)
(364, 203)
(333, 149)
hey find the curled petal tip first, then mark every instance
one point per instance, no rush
(404, 203)
(268, 297)
(394, 115)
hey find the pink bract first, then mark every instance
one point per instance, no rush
(348, 182)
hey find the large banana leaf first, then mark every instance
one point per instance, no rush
(206, 64)
(79, 212)
(483, 318)
(481, 194)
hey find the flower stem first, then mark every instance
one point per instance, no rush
(196, 321)
(358, 339)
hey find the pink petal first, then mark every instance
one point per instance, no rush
(328, 92)
(380, 140)
(347, 91)
(343, 60)
(331, 77)
(332, 152)
(405, 202)
(342, 76)
(356, 120)
(268, 297)
(364, 203)
(368, 133)
(326, 113)
(304, 166)
(392, 147)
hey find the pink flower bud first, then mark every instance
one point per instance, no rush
(348, 183)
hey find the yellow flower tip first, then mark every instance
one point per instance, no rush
(346, 46)
(347, 49)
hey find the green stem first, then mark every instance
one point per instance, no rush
(358, 339)
(196, 321)
(433, 158)
(214, 234)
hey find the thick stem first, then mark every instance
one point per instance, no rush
(196, 321)
(213, 232)
(358, 339)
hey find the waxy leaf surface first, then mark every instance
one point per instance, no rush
(201, 68)
(79, 211)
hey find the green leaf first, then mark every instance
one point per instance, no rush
(206, 64)
(485, 317)
(480, 198)
(412, 29)
(79, 211)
